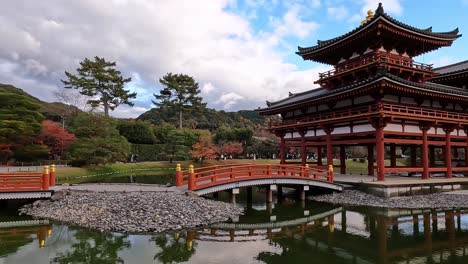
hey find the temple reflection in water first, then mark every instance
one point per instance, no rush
(284, 232)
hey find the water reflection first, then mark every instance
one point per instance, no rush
(284, 232)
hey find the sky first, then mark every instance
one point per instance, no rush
(241, 52)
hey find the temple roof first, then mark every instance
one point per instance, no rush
(452, 68)
(322, 93)
(380, 15)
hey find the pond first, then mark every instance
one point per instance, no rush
(286, 231)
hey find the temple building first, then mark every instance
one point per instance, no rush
(378, 97)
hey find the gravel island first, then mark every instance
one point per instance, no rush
(429, 201)
(132, 212)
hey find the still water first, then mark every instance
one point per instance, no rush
(284, 232)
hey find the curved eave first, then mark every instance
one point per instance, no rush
(439, 89)
(440, 36)
(451, 75)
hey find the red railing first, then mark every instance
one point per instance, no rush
(376, 58)
(358, 111)
(375, 109)
(220, 174)
(27, 181)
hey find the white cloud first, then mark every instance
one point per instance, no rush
(207, 88)
(229, 99)
(338, 13)
(146, 39)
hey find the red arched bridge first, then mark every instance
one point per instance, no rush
(216, 178)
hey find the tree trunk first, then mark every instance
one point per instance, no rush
(180, 119)
(106, 109)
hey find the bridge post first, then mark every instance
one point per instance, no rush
(52, 175)
(330, 173)
(45, 178)
(191, 178)
(249, 196)
(234, 192)
(269, 193)
(178, 175)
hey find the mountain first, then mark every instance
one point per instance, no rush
(52, 111)
(207, 118)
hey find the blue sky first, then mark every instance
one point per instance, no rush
(242, 52)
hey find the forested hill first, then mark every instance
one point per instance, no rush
(206, 118)
(52, 111)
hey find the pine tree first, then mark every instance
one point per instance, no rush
(100, 79)
(180, 92)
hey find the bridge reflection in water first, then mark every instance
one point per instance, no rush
(349, 235)
(282, 232)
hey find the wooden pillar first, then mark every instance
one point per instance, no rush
(448, 151)
(329, 150)
(380, 149)
(342, 159)
(413, 156)
(393, 155)
(282, 150)
(303, 148)
(427, 234)
(319, 156)
(370, 159)
(424, 149)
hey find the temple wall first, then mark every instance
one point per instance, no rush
(363, 99)
(412, 129)
(344, 103)
(363, 128)
(394, 127)
(320, 132)
(341, 130)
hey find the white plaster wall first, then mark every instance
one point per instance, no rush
(311, 109)
(297, 112)
(450, 106)
(412, 129)
(440, 131)
(461, 132)
(407, 100)
(344, 103)
(363, 128)
(296, 135)
(431, 130)
(362, 99)
(394, 127)
(341, 130)
(310, 133)
(458, 107)
(320, 132)
(322, 107)
(454, 133)
(426, 103)
(436, 104)
(288, 114)
(391, 98)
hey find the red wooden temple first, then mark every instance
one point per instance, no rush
(378, 97)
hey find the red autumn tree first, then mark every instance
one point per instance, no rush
(204, 148)
(55, 137)
(231, 148)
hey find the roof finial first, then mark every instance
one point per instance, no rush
(368, 18)
(379, 10)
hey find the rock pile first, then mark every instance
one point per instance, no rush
(133, 212)
(357, 198)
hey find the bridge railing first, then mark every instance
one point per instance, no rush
(215, 175)
(27, 181)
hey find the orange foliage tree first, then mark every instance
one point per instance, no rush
(204, 148)
(231, 148)
(55, 137)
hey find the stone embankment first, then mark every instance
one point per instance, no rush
(132, 212)
(430, 201)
